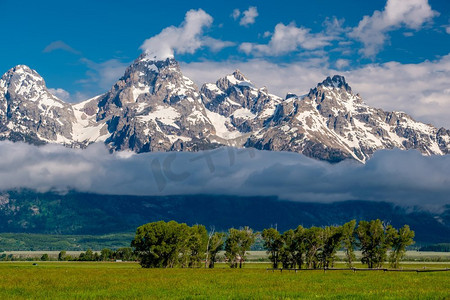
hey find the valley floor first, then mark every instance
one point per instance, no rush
(82, 280)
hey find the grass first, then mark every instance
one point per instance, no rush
(68, 280)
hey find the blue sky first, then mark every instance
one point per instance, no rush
(395, 52)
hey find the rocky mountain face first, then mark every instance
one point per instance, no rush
(29, 112)
(154, 107)
(332, 123)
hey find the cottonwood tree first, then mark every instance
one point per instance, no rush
(273, 242)
(374, 240)
(313, 241)
(215, 244)
(400, 240)
(331, 239)
(299, 246)
(349, 242)
(197, 241)
(62, 255)
(237, 244)
(158, 244)
(106, 254)
(286, 255)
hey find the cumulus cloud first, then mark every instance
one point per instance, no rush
(420, 90)
(372, 30)
(236, 13)
(60, 93)
(186, 38)
(60, 45)
(249, 16)
(342, 63)
(402, 177)
(286, 39)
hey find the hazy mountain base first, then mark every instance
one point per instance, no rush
(51, 242)
(75, 213)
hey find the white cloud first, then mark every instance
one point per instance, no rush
(286, 39)
(420, 90)
(249, 16)
(342, 63)
(186, 38)
(61, 94)
(216, 45)
(447, 29)
(402, 177)
(236, 13)
(60, 45)
(372, 30)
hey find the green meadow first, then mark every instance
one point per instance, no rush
(100, 280)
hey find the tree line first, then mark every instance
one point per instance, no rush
(106, 254)
(169, 244)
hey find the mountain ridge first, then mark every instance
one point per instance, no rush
(84, 213)
(154, 107)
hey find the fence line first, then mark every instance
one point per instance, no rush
(360, 269)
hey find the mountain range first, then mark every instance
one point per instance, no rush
(154, 107)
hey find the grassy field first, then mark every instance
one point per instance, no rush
(68, 280)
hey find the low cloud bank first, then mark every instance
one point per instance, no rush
(403, 177)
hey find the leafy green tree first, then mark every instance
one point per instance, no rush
(299, 246)
(349, 242)
(158, 244)
(374, 241)
(125, 254)
(197, 243)
(89, 255)
(183, 246)
(331, 240)
(106, 254)
(313, 241)
(62, 255)
(287, 250)
(237, 244)
(215, 244)
(400, 240)
(273, 244)
(45, 257)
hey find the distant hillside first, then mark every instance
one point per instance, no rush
(91, 214)
(50, 242)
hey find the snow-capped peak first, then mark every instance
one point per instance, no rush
(21, 73)
(159, 54)
(154, 107)
(337, 81)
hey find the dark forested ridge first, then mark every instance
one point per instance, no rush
(80, 213)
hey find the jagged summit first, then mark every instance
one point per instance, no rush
(154, 107)
(21, 68)
(337, 81)
(22, 73)
(239, 76)
(29, 112)
(290, 95)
